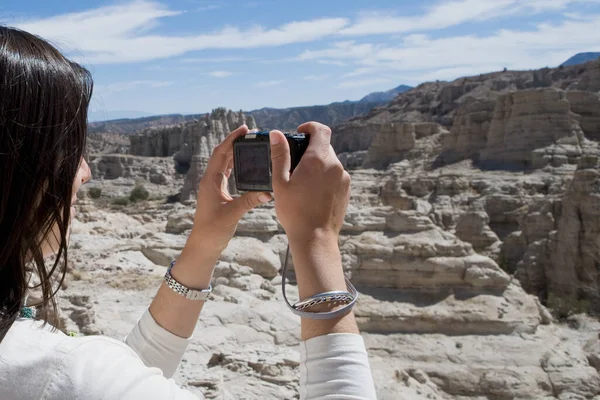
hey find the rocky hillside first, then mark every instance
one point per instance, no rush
(439, 102)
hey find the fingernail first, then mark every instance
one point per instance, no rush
(273, 138)
(264, 198)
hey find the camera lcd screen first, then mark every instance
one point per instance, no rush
(253, 161)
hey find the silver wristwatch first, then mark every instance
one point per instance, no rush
(188, 293)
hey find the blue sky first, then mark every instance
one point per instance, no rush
(190, 56)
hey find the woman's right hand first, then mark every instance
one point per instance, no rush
(311, 202)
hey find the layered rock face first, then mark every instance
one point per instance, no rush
(532, 128)
(556, 250)
(394, 141)
(526, 129)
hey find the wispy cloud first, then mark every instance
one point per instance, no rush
(118, 34)
(220, 74)
(315, 77)
(362, 83)
(332, 62)
(131, 32)
(209, 7)
(130, 85)
(445, 14)
(425, 58)
(200, 60)
(268, 83)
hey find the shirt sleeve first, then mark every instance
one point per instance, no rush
(156, 346)
(335, 366)
(103, 368)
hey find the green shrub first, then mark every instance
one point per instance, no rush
(121, 201)
(563, 306)
(95, 192)
(139, 193)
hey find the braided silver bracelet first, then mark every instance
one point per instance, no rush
(327, 297)
(297, 308)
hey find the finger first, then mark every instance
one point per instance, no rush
(281, 161)
(320, 136)
(223, 154)
(249, 200)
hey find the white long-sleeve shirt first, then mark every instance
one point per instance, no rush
(38, 363)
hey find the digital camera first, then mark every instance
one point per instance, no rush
(252, 159)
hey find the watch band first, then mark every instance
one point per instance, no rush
(188, 293)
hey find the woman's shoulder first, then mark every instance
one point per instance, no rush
(30, 336)
(33, 355)
(38, 363)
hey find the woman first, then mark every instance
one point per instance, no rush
(43, 112)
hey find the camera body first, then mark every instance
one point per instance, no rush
(252, 159)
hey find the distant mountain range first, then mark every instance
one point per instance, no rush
(384, 97)
(581, 58)
(267, 118)
(96, 115)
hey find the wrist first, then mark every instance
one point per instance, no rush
(204, 245)
(315, 240)
(195, 265)
(317, 264)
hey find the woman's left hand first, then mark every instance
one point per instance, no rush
(217, 212)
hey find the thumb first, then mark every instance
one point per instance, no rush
(246, 202)
(281, 162)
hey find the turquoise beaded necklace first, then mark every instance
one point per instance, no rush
(28, 312)
(31, 312)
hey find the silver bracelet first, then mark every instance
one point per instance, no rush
(318, 315)
(337, 296)
(188, 293)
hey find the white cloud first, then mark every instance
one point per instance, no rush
(315, 77)
(216, 60)
(418, 57)
(362, 83)
(127, 33)
(220, 74)
(130, 85)
(122, 33)
(209, 7)
(268, 83)
(451, 13)
(340, 50)
(332, 62)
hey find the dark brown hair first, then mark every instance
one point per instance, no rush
(43, 120)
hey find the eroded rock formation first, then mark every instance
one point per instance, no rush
(190, 144)
(466, 196)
